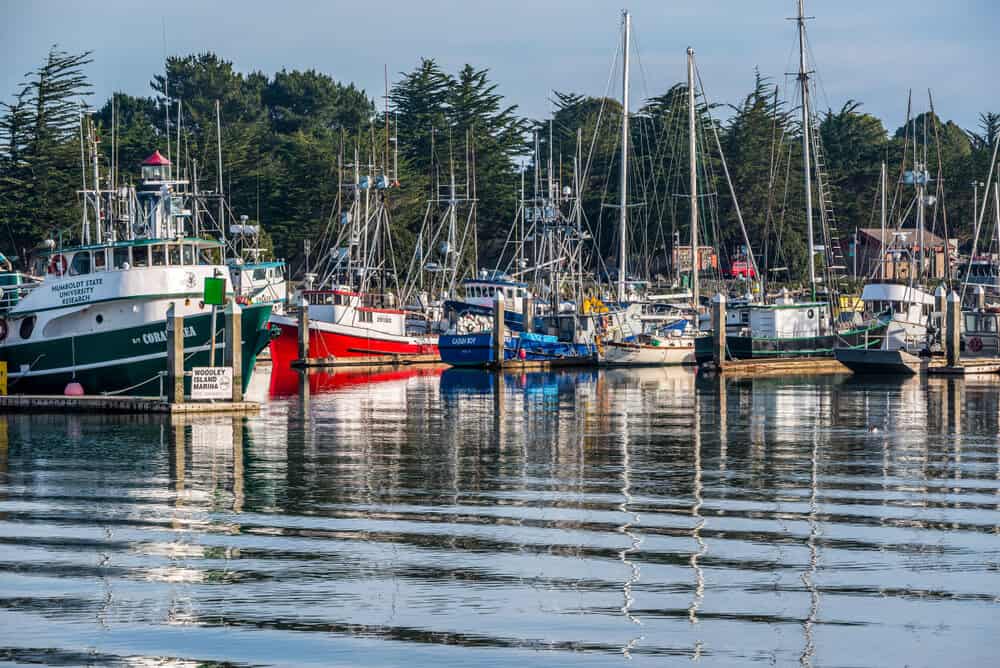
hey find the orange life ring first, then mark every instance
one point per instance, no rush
(3, 329)
(975, 344)
(58, 265)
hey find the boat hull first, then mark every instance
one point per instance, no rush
(878, 362)
(341, 341)
(127, 361)
(631, 354)
(751, 347)
(476, 350)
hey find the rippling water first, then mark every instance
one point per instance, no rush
(423, 517)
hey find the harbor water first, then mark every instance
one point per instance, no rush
(432, 517)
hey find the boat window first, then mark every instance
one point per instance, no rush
(188, 252)
(27, 327)
(259, 274)
(121, 258)
(521, 292)
(159, 252)
(989, 323)
(175, 254)
(100, 260)
(970, 323)
(80, 264)
(208, 256)
(510, 293)
(140, 256)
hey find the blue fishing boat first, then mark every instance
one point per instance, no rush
(476, 350)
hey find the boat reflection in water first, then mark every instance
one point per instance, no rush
(287, 382)
(412, 516)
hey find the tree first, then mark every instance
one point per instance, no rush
(39, 168)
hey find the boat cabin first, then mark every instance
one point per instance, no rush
(482, 292)
(981, 333)
(127, 256)
(781, 321)
(372, 311)
(905, 303)
(260, 282)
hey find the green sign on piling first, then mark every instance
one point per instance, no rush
(215, 291)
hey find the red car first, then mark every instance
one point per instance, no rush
(742, 269)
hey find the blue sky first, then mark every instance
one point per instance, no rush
(869, 50)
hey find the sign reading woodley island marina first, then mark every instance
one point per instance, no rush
(211, 382)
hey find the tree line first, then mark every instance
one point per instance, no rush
(289, 138)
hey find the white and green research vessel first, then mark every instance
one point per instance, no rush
(95, 313)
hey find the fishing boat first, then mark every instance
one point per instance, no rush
(477, 350)
(97, 315)
(787, 329)
(355, 311)
(904, 342)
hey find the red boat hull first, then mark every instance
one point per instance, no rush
(324, 343)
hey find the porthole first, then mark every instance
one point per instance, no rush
(810, 314)
(27, 327)
(100, 318)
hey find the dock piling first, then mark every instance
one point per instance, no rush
(498, 329)
(175, 356)
(234, 347)
(952, 329)
(719, 329)
(303, 329)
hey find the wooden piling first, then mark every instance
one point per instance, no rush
(952, 329)
(303, 329)
(498, 329)
(940, 299)
(529, 314)
(234, 347)
(719, 329)
(175, 356)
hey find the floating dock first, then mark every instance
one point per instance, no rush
(23, 403)
(780, 367)
(366, 360)
(968, 366)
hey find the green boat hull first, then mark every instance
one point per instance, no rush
(753, 347)
(127, 361)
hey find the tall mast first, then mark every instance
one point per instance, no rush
(693, 163)
(806, 166)
(882, 242)
(623, 211)
(218, 146)
(97, 186)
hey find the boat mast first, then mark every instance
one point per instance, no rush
(693, 164)
(882, 238)
(623, 211)
(807, 177)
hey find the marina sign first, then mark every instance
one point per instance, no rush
(211, 382)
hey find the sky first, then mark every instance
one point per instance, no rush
(873, 51)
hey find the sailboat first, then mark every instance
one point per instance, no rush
(673, 344)
(788, 328)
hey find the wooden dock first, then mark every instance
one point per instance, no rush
(968, 366)
(23, 403)
(366, 360)
(799, 366)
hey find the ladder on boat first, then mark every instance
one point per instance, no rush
(836, 266)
